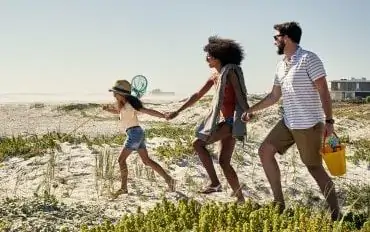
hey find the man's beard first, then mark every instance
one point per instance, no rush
(281, 47)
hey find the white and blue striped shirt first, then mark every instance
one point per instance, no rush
(301, 100)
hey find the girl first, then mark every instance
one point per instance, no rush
(127, 107)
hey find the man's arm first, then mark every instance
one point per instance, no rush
(317, 73)
(267, 101)
(322, 88)
(240, 97)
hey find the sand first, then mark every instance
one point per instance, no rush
(74, 179)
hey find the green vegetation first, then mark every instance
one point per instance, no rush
(180, 148)
(34, 145)
(190, 215)
(166, 130)
(362, 150)
(184, 215)
(358, 196)
(178, 144)
(367, 99)
(27, 146)
(50, 213)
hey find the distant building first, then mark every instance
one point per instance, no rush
(345, 89)
(160, 92)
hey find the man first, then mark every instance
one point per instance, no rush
(300, 80)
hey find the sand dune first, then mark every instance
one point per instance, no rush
(71, 173)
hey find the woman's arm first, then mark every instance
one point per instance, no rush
(151, 112)
(196, 96)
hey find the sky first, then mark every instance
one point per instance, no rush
(84, 46)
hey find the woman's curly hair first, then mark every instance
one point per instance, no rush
(226, 50)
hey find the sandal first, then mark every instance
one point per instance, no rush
(119, 192)
(211, 189)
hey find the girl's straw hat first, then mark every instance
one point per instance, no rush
(122, 87)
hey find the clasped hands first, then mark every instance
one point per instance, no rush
(170, 115)
(247, 116)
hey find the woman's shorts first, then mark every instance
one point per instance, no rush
(228, 121)
(135, 138)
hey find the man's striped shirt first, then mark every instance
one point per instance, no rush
(301, 100)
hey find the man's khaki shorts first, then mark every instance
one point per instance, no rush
(308, 141)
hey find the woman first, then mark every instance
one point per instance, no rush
(127, 108)
(225, 56)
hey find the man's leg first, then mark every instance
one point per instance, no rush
(277, 141)
(200, 148)
(327, 188)
(309, 142)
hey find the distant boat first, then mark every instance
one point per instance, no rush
(160, 92)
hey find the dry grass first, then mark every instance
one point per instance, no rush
(350, 111)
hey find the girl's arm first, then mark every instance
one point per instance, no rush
(110, 109)
(151, 112)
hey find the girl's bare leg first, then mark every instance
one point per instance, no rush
(124, 171)
(156, 167)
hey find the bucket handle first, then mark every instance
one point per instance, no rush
(324, 139)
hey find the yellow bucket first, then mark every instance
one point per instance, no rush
(335, 160)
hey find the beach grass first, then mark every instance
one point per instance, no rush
(357, 112)
(28, 146)
(178, 143)
(361, 151)
(191, 215)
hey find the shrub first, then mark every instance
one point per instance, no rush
(190, 215)
(367, 99)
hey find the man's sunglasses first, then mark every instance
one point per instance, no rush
(277, 36)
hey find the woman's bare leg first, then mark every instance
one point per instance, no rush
(200, 148)
(226, 152)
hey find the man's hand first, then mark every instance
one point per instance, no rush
(171, 115)
(328, 130)
(246, 116)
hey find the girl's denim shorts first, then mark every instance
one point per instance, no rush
(135, 138)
